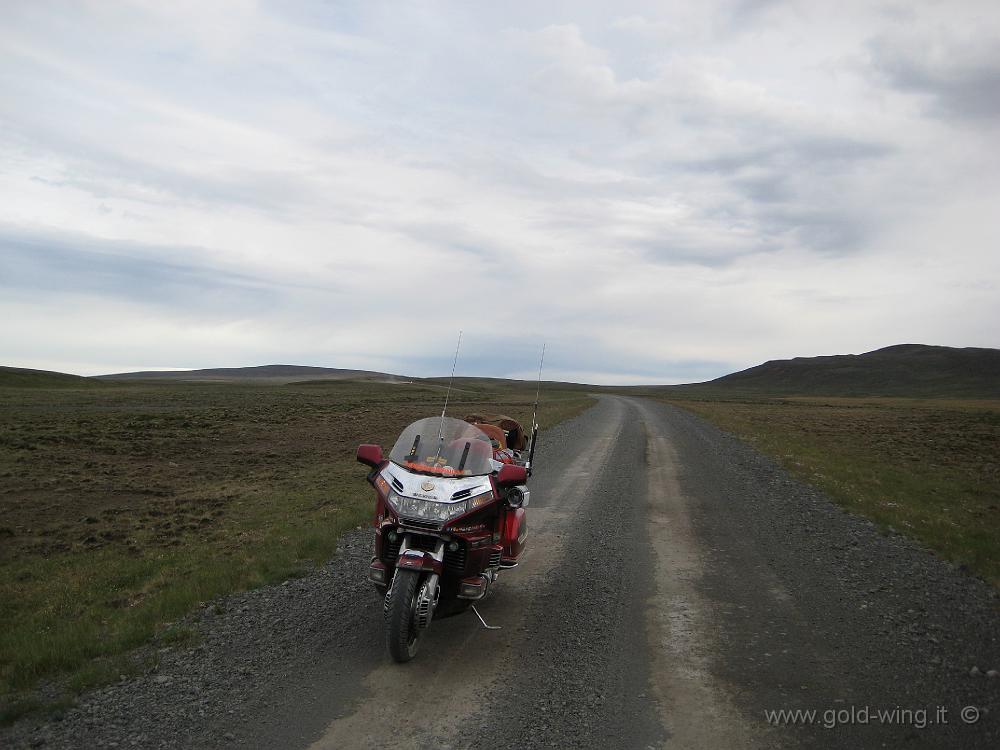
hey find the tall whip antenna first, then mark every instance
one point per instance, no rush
(538, 390)
(534, 414)
(448, 396)
(452, 378)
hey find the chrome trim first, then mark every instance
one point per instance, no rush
(437, 554)
(427, 599)
(432, 526)
(483, 588)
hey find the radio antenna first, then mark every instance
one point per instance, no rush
(534, 413)
(538, 390)
(452, 378)
(447, 396)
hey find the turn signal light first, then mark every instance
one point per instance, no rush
(376, 573)
(471, 588)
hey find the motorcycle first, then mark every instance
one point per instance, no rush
(448, 519)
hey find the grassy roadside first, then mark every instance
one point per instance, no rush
(929, 469)
(123, 507)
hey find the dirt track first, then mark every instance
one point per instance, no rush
(678, 587)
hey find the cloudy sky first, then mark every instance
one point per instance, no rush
(663, 192)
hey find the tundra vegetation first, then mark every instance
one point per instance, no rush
(126, 504)
(925, 468)
(123, 506)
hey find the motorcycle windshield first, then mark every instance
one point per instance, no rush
(443, 446)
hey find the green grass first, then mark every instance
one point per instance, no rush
(76, 607)
(929, 469)
(124, 507)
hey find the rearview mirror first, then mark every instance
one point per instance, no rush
(371, 455)
(511, 475)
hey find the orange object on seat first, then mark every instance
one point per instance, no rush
(493, 432)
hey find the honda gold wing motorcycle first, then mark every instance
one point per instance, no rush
(448, 519)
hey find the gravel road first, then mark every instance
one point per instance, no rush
(677, 588)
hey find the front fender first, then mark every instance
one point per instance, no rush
(417, 560)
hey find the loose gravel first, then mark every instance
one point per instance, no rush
(205, 695)
(819, 609)
(810, 607)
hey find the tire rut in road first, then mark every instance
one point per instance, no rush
(581, 675)
(696, 709)
(813, 609)
(431, 698)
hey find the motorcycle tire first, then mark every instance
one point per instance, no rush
(402, 634)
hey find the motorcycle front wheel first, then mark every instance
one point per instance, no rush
(403, 635)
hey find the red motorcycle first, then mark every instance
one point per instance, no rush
(448, 518)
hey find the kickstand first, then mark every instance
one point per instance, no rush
(488, 627)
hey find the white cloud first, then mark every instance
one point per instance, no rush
(663, 192)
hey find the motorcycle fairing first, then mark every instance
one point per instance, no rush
(515, 533)
(444, 488)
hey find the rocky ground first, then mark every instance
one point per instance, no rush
(783, 601)
(202, 696)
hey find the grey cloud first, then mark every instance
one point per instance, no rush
(452, 235)
(786, 151)
(106, 174)
(91, 161)
(830, 232)
(511, 354)
(765, 189)
(576, 172)
(788, 192)
(665, 251)
(963, 79)
(839, 149)
(590, 353)
(63, 263)
(745, 13)
(504, 356)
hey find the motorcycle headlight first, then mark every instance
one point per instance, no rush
(427, 510)
(393, 500)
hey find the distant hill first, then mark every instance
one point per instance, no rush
(905, 370)
(19, 377)
(263, 373)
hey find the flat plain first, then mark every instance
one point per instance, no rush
(925, 468)
(123, 506)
